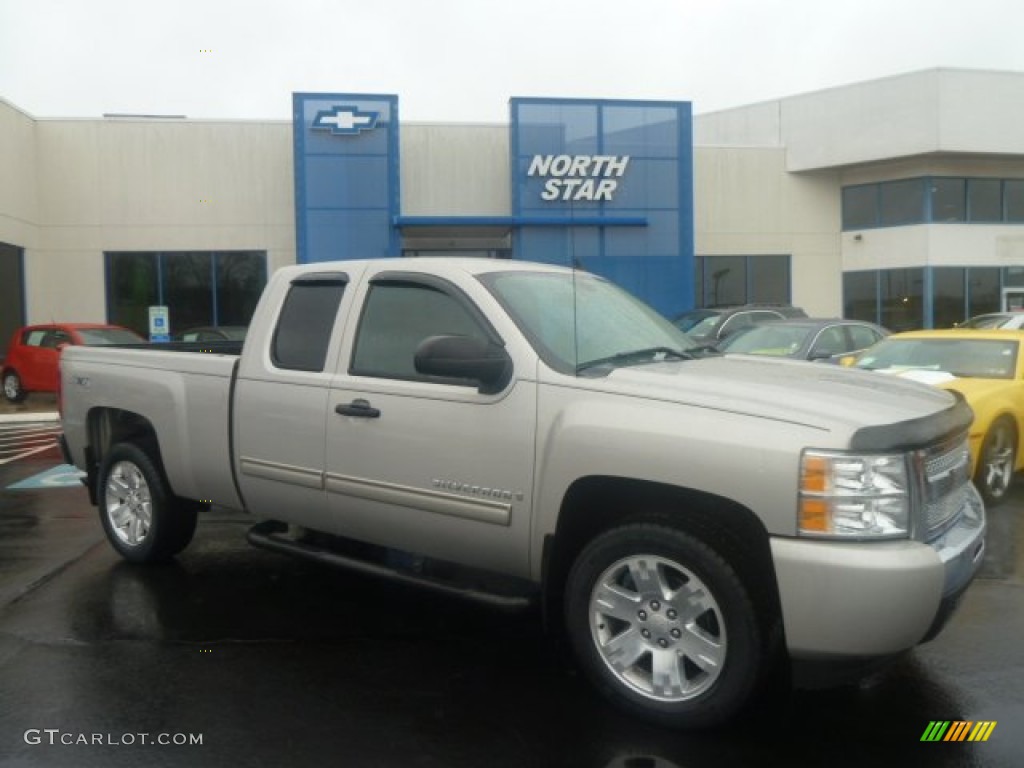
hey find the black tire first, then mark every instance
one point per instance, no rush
(994, 473)
(143, 521)
(12, 387)
(664, 626)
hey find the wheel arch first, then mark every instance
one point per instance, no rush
(106, 427)
(595, 504)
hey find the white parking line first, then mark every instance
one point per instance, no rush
(23, 439)
(17, 456)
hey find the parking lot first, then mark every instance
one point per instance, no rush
(233, 655)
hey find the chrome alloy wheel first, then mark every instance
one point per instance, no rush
(128, 503)
(998, 459)
(658, 628)
(12, 386)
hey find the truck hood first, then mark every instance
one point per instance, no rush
(826, 397)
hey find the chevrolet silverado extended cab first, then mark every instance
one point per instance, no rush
(518, 432)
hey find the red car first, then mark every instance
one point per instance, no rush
(31, 361)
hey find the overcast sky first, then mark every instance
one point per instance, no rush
(461, 60)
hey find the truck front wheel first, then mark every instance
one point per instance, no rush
(144, 522)
(663, 626)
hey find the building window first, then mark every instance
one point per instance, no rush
(728, 280)
(896, 298)
(898, 203)
(984, 293)
(948, 200)
(860, 207)
(949, 296)
(198, 287)
(860, 296)
(1013, 200)
(901, 202)
(984, 202)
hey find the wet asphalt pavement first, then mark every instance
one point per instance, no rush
(272, 661)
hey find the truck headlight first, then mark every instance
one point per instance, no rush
(846, 495)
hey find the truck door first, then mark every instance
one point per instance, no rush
(432, 466)
(281, 395)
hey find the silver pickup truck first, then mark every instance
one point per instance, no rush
(519, 433)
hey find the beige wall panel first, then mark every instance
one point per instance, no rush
(757, 125)
(64, 286)
(19, 209)
(886, 248)
(746, 203)
(455, 170)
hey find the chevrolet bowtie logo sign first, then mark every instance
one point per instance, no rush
(345, 120)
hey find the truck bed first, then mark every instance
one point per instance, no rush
(194, 389)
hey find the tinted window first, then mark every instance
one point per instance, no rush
(307, 319)
(34, 338)
(830, 342)
(949, 297)
(101, 336)
(984, 200)
(397, 317)
(862, 337)
(948, 200)
(860, 295)
(1014, 200)
(860, 207)
(902, 202)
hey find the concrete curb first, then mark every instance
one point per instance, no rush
(15, 418)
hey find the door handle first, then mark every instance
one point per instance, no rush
(359, 408)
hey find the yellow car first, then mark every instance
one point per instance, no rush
(987, 367)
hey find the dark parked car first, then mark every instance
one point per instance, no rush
(214, 333)
(31, 361)
(805, 338)
(713, 324)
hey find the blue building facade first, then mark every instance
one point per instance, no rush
(604, 185)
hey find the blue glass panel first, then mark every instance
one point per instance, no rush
(642, 131)
(348, 234)
(557, 128)
(659, 238)
(346, 176)
(347, 182)
(654, 261)
(649, 184)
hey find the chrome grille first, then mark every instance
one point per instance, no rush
(946, 472)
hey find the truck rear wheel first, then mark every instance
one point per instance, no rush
(664, 626)
(143, 521)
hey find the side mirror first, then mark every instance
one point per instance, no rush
(465, 357)
(847, 361)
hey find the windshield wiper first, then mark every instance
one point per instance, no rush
(636, 357)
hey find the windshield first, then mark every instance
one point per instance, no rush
(688, 320)
(707, 326)
(576, 320)
(774, 340)
(102, 336)
(965, 358)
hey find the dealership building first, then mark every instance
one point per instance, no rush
(898, 200)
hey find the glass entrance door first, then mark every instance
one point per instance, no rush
(1013, 299)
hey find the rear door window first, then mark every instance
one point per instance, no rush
(306, 322)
